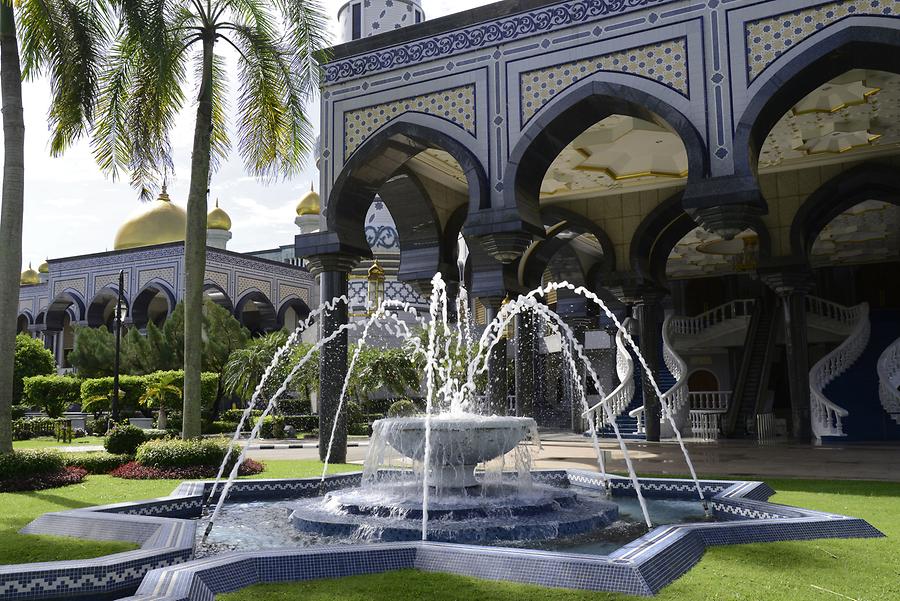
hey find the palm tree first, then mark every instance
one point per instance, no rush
(62, 39)
(161, 393)
(144, 90)
(246, 366)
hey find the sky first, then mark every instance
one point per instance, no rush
(71, 208)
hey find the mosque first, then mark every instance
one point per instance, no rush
(265, 290)
(721, 174)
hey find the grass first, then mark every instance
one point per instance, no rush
(18, 509)
(862, 569)
(46, 442)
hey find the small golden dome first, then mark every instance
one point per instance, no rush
(44, 267)
(218, 219)
(162, 221)
(30, 277)
(309, 204)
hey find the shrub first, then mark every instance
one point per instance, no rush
(353, 412)
(97, 392)
(36, 462)
(403, 408)
(29, 427)
(96, 463)
(175, 453)
(296, 406)
(359, 429)
(96, 426)
(19, 411)
(302, 423)
(32, 359)
(272, 426)
(209, 384)
(124, 440)
(135, 471)
(222, 427)
(53, 394)
(234, 415)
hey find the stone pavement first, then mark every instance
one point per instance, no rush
(742, 458)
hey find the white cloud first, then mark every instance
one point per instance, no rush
(72, 209)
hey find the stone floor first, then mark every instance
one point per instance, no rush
(746, 459)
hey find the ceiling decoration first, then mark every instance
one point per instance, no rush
(868, 232)
(700, 254)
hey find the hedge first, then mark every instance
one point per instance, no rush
(26, 428)
(131, 389)
(96, 462)
(53, 394)
(32, 462)
(177, 453)
(209, 384)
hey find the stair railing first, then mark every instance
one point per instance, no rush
(620, 397)
(848, 316)
(889, 379)
(675, 399)
(826, 415)
(742, 307)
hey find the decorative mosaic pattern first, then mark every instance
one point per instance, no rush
(770, 37)
(491, 33)
(456, 105)
(218, 278)
(79, 285)
(245, 283)
(109, 279)
(382, 236)
(665, 62)
(165, 274)
(285, 291)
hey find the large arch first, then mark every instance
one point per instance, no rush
(300, 310)
(869, 181)
(101, 310)
(417, 223)
(579, 108)
(256, 313)
(379, 159)
(23, 321)
(155, 302)
(561, 221)
(60, 306)
(827, 54)
(216, 294)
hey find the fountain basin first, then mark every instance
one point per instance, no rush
(458, 443)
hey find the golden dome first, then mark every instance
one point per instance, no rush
(44, 267)
(30, 277)
(162, 221)
(309, 204)
(217, 219)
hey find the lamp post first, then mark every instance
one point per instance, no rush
(376, 286)
(119, 302)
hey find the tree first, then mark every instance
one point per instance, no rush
(246, 366)
(162, 394)
(60, 38)
(31, 359)
(94, 354)
(390, 370)
(144, 90)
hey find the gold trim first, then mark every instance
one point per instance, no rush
(872, 138)
(615, 177)
(865, 99)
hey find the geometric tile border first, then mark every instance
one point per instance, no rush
(162, 567)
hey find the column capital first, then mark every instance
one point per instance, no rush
(506, 247)
(633, 289)
(787, 279)
(336, 261)
(725, 205)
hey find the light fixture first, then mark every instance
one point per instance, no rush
(375, 277)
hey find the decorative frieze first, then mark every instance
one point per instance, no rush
(165, 274)
(245, 283)
(79, 285)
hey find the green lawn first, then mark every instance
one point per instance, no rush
(44, 442)
(18, 509)
(864, 569)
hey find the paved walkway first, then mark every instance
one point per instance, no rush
(723, 458)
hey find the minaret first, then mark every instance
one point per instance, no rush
(308, 209)
(363, 18)
(218, 227)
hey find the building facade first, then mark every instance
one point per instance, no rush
(722, 172)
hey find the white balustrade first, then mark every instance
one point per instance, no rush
(826, 415)
(621, 395)
(889, 379)
(710, 400)
(705, 424)
(827, 309)
(742, 307)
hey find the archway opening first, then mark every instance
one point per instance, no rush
(153, 304)
(256, 313)
(218, 296)
(22, 324)
(102, 310)
(291, 313)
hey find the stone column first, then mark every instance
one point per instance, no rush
(496, 371)
(332, 270)
(526, 348)
(648, 313)
(792, 284)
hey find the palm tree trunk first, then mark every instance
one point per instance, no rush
(11, 212)
(195, 248)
